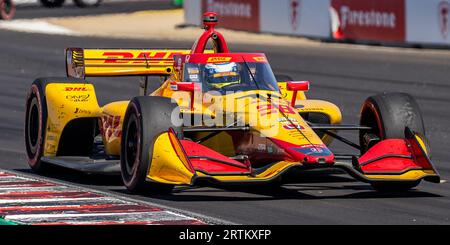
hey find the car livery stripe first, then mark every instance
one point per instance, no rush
(31, 201)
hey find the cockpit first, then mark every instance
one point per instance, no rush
(231, 76)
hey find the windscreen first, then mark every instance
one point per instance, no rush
(231, 76)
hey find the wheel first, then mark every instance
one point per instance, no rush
(388, 114)
(7, 9)
(36, 121)
(52, 3)
(145, 119)
(87, 3)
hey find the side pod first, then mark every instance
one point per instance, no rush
(394, 160)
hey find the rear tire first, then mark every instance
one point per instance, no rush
(389, 114)
(7, 9)
(145, 119)
(36, 121)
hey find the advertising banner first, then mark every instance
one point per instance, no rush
(428, 22)
(380, 20)
(235, 14)
(296, 17)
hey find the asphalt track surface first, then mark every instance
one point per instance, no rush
(344, 76)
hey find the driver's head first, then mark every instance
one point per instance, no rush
(222, 74)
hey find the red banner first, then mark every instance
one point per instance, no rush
(381, 20)
(235, 14)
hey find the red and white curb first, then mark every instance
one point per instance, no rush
(28, 200)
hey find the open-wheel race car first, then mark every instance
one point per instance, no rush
(218, 117)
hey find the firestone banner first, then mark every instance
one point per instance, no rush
(235, 14)
(380, 20)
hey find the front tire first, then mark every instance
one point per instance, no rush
(388, 114)
(145, 119)
(36, 121)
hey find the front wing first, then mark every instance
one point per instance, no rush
(185, 162)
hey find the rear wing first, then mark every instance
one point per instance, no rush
(81, 63)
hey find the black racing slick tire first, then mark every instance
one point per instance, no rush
(52, 3)
(388, 114)
(7, 9)
(36, 121)
(87, 3)
(146, 118)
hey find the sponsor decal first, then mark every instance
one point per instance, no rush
(235, 14)
(292, 126)
(262, 147)
(75, 89)
(81, 111)
(260, 59)
(283, 119)
(382, 20)
(111, 128)
(78, 98)
(316, 150)
(140, 58)
(295, 13)
(443, 14)
(218, 59)
(174, 87)
(270, 108)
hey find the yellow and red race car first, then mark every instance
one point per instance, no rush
(218, 117)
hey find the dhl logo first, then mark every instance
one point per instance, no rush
(260, 59)
(137, 58)
(75, 89)
(269, 108)
(218, 59)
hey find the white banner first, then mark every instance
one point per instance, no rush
(296, 17)
(428, 22)
(193, 12)
(290, 17)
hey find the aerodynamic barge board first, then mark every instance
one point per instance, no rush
(32, 201)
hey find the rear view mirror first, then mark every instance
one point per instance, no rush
(296, 86)
(186, 86)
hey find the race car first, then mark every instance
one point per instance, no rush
(217, 118)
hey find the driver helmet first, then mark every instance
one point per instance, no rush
(222, 74)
